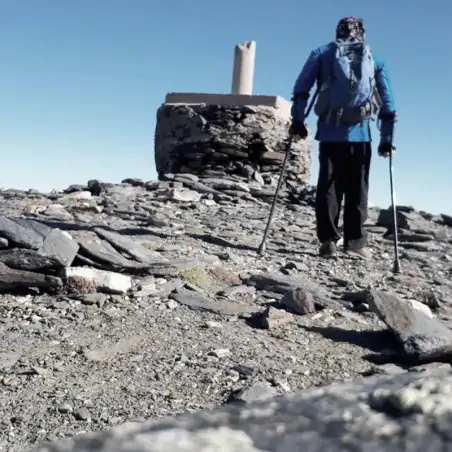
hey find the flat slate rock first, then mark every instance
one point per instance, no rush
(261, 390)
(127, 245)
(29, 260)
(403, 413)
(199, 302)
(197, 186)
(13, 281)
(279, 283)
(104, 281)
(56, 243)
(60, 246)
(19, 234)
(42, 229)
(102, 251)
(423, 338)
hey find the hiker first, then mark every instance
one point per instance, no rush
(344, 133)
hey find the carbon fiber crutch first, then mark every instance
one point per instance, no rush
(262, 247)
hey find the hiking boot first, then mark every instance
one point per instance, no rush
(362, 253)
(327, 249)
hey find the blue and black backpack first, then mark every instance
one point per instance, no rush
(349, 96)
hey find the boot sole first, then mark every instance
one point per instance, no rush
(357, 254)
(329, 256)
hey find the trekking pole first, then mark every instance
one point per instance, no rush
(262, 247)
(396, 267)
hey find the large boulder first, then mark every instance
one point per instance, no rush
(407, 412)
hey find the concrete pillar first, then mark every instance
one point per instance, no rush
(243, 75)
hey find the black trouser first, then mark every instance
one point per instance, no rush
(344, 172)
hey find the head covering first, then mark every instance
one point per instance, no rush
(350, 27)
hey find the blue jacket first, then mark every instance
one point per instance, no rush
(316, 69)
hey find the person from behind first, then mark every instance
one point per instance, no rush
(353, 88)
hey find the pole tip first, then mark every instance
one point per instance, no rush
(397, 268)
(261, 249)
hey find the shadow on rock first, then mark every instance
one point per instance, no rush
(375, 341)
(143, 231)
(64, 226)
(212, 240)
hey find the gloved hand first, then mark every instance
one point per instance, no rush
(298, 129)
(386, 149)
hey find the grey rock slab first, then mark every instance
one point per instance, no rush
(19, 234)
(104, 252)
(56, 243)
(423, 337)
(127, 245)
(447, 219)
(272, 157)
(12, 280)
(224, 184)
(58, 212)
(199, 302)
(60, 246)
(29, 260)
(104, 281)
(93, 299)
(386, 369)
(181, 177)
(122, 191)
(199, 187)
(82, 414)
(258, 178)
(262, 192)
(176, 194)
(279, 283)
(74, 188)
(135, 182)
(256, 392)
(84, 260)
(406, 237)
(168, 287)
(273, 318)
(96, 187)
(406, 219)
(299, 301)
(234, 290)
(401, 413)
(423, 247)
(41, 228)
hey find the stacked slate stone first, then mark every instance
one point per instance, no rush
(37, 256)
(187, 186)
(232, 144)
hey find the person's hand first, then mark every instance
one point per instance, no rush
(298, 129)
(386, 149)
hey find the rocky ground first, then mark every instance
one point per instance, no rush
(140, 300)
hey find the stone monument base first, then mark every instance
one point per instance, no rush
(219, 135)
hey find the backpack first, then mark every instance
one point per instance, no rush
(349, 95)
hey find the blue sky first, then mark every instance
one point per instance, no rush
(80, 81)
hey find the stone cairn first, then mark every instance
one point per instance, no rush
(239, 137)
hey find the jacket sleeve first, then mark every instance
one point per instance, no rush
(303, 85)
(387, 114)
